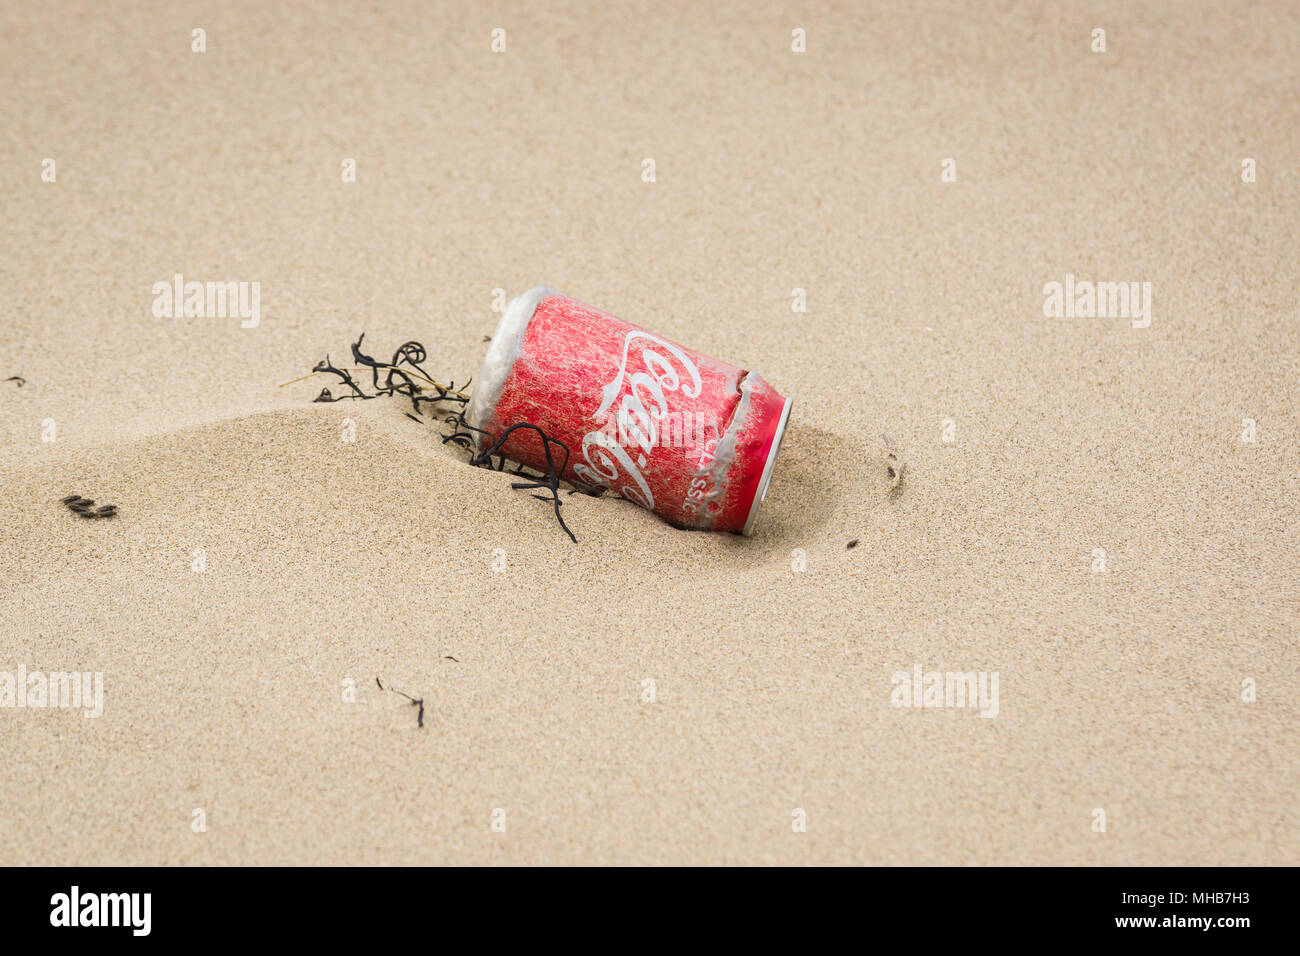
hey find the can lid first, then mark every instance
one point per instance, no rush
(766, 477)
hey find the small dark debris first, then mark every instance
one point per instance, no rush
(17, 378)
(415, 702)
(852, 544)
(450, 658)
(85, 507)
(894, 464)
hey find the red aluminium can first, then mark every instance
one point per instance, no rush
(692, 438)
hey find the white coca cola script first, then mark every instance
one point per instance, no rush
(643, 405)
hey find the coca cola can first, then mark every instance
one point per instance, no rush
(692, 438)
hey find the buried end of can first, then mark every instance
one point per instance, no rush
(506, 348)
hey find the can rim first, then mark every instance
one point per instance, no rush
(761, 492)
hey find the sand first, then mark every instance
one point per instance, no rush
(1031, 441)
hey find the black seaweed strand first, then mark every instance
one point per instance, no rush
(415, 701)
(405, 375)
(550, 481)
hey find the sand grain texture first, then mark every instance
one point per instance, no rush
(329, 561)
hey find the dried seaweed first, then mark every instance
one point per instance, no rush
(405, 375)
(415, 701)
(463, 433)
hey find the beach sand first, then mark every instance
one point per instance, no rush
(1079, 515)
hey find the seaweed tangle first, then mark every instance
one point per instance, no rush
(405, 375)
